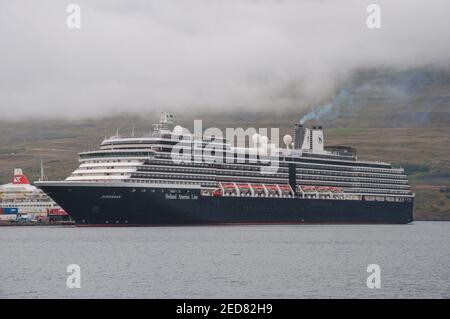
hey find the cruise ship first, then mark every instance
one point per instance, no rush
(137, 181)
(20, 198)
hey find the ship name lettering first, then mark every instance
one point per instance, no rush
(111, 196)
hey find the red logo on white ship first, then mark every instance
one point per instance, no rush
(19, 178)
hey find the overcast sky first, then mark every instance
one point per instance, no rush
(195, 54)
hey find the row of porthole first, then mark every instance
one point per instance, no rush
(106, 221)
(117, 222)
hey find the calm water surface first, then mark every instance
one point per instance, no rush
(227, 262)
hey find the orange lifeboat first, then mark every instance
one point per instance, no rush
(257, 186)
(228, 185)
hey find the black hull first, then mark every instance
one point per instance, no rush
(107, 205)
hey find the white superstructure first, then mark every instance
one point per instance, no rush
(24, 197)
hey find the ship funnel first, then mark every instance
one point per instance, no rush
(19, 178)
(299, 133)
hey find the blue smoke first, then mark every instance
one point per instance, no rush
(317, 112)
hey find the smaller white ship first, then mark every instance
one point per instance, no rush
(21, 200)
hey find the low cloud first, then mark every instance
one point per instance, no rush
(203, 54)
